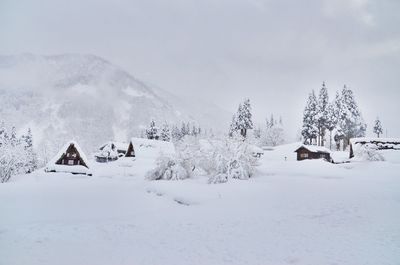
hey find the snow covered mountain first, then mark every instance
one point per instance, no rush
(83, 97)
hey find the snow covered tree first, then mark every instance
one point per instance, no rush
(309, 129)
(337, 110)
(152, 131)
(185, 129)
(331, 121)
(233, 160)
(28, 139)
(257, 133)
(350, 118)
(243, 118)
(273, 134)
(168, 168)
(234, 126)
(176, 133)
(378, 127)
(322, 114)
(3, 133)
(30, 162)
(16, 156)
(13, 137)
(165, 133)
(218, 159)
(271, 122)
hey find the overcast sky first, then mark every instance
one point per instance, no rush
(273, 52)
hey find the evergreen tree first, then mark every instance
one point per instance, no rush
(152, 131)
(30, 163)
(378, 127)
(176, 133)
(350, 119)
(3, 133)
(13, 137)
(244, 118)
(322, 114)
(188, 129)
(309, 129)
(195, 130)
(165, 133)
(184, 130)
(234, 126)
(331, 121)
(338, 109)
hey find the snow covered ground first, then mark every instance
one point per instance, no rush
(291, 212)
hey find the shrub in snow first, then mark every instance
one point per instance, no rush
(168, 168)
(367, 153)
(234, 159)
(220, 160)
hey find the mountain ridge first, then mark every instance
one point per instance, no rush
(85, 97)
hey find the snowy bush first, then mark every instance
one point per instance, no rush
(219, 160)
(367, 153)
(234, 160)
(168, 168)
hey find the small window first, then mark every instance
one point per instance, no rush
(304, 155)
(70, 162)
(67, 154)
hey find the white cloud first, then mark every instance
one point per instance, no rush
(356, 9)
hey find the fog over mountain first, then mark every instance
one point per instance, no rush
(87, 98)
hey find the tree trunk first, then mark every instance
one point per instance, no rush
(243, 132)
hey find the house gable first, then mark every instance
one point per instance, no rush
(71, 157)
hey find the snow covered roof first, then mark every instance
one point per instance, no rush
(315, 149)
(119, 145)
(375, 140)
(147, 145)
(63, 151)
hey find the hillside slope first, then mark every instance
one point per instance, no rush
(83, 97)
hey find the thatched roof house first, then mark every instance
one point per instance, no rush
(70, 159)
(111, 151)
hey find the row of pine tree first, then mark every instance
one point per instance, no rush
(169, 132)
(341, 117)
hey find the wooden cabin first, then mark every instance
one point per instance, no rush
(313, 152)
(131, 151)
(374, 143)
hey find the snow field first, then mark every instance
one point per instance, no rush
(290, 212)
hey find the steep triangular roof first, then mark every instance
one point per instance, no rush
(315, 149)
(63, 151)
